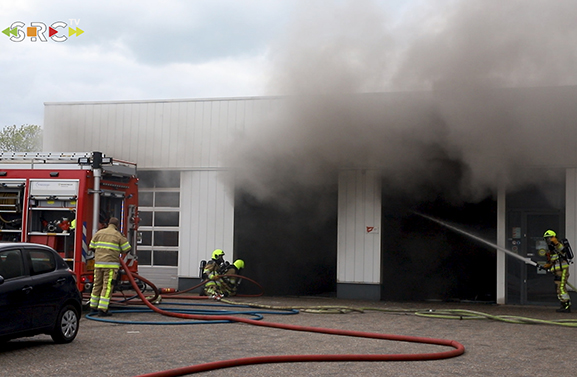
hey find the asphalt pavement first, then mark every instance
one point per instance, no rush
(125, 346)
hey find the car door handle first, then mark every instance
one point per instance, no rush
(27, 289)
(60, 281)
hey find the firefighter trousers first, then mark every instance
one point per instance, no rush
(102, 289)
(561, 276)
(213, 287)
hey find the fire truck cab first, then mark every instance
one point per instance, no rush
(62, 199)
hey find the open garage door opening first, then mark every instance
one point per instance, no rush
(423, 260)
(289, 250)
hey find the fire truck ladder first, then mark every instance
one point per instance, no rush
(84, 159)
(44, 156)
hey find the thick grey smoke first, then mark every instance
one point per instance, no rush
(457, 95)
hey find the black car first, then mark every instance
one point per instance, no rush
(38, 293)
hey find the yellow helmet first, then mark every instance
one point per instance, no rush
(549, 233)
(239, 264)
(217, 254)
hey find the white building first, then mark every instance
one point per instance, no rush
(187, 204)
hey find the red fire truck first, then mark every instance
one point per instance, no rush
(62, 199)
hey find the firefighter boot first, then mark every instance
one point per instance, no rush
(565, 307)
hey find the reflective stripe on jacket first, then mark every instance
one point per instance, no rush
(107, 265)
(108, 244)
(557, 255)
(211, 269)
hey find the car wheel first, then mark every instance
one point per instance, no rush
(67, 324)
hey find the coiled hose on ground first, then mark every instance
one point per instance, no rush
(201, 317)
(461, 314)
(457, 348)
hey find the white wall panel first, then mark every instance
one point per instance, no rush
(175, 134)
(162, 277)
(501, 291)
(206, 218)
(97, 132)
(359, 207)
(571, 217)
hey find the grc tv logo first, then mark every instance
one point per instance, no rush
(37, 31)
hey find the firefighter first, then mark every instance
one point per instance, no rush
(108, 244)
(558, 264)
(212, 270)
(229, 284)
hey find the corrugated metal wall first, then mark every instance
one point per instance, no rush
(206, 219)
(571, 217)
(162, 277)
(185, 135)
(189, 135)
(176, 134)
(359, 247)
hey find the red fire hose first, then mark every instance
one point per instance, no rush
(458, 348)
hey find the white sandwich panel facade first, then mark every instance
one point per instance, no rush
(571, 216)
(172, 134)
(187, 136)
(359, 222)
(184, 136)
(206, 218)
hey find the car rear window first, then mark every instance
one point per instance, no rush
(43, 261)
(11, 264)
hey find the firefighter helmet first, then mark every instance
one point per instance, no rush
(239, 264)
(217, 254)
(549, 233)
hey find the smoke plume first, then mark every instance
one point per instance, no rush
(457, 95)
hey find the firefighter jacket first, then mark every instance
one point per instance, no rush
(212, 269)
(108, 244)
(556, 257)
(230, 283)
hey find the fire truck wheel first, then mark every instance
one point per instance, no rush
(66, 327)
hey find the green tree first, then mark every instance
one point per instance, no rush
(24, 138)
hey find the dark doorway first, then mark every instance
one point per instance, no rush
(530, 212)
(423, 260)
(288, 249)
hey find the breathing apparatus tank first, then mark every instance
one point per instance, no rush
(201, 268)
(569, 255)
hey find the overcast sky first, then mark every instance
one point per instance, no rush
(143, 49)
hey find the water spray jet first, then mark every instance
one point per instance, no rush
(508, 252)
